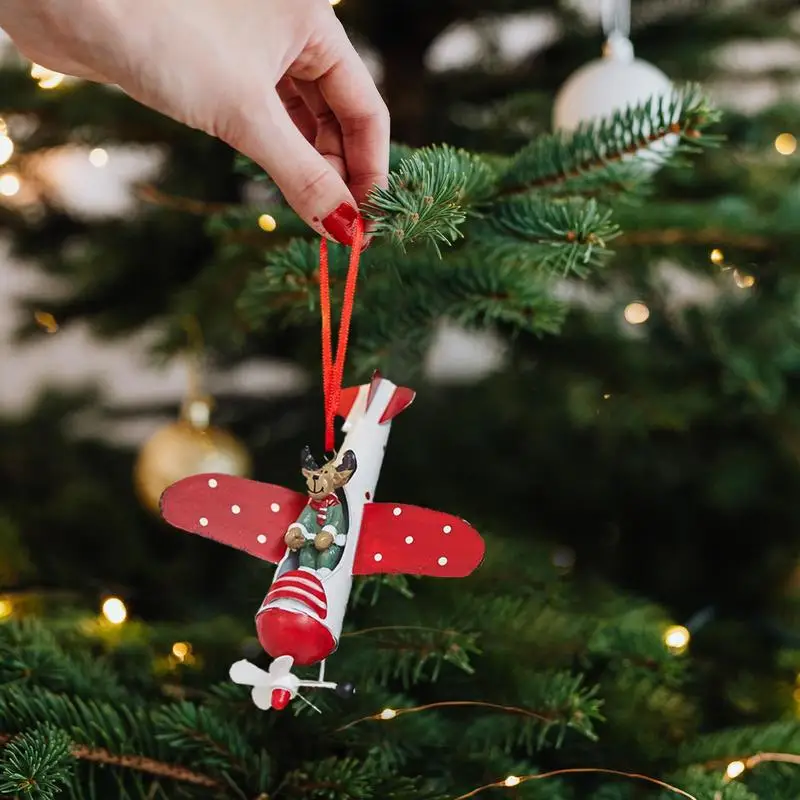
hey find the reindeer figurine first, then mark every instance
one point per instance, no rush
(320, 533)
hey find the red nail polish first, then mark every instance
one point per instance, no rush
(340, 223)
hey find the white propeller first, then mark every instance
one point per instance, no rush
(278, 676)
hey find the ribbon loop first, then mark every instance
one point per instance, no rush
(333, 370)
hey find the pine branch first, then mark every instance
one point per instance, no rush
(600, 153)
(426, 197)
(35, 764)
(554, 237)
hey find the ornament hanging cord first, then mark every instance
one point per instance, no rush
(333, 370)
(615, 16)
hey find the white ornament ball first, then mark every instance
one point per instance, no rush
(609, 84)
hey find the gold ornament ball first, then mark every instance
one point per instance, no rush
(180, 450)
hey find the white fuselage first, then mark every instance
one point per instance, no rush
(366, 436)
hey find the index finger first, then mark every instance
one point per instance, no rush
(348, 89)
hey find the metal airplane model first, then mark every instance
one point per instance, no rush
(321, 540)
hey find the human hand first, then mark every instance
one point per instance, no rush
(278, 80)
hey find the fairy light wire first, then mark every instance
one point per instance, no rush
(501, 784)
(399, 712)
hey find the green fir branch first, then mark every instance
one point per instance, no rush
(540, 235)
(426, 197)
(594, 155)
(36, 764)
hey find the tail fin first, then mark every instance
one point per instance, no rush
(400, 400)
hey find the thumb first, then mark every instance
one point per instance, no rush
(310, 184)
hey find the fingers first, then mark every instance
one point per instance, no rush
(310, 184)
(349, 91)
(296, 107)
(328, 138)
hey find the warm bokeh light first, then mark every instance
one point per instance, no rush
(743, 280)
(6, 148)
(46, 321)
(335, 2)
(9, 184)
(114, 610)
(512, 780)
(636, 313)
(716, 256)
(48, 79)
(735, 769)
(267, 223)
(6, 608)
(786, 144)
(388, 713)
(181, 649)
(98, 157)
(676, 638)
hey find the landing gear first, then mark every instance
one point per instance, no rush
(346, 689)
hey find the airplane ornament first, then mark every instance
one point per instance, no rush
(321, 540)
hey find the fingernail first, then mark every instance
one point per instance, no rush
(340, 223)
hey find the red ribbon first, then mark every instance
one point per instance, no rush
(333, 371)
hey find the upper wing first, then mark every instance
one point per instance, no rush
(416, 541)
(241, 513)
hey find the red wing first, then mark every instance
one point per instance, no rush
(241, 513)
(416, 541)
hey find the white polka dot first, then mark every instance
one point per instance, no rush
(275, 507)
(235, 509)
(203, 521)
(212, 482)
(397, 512)
(378, 557)
(447, 528)
(261, 538)
(442, 561)
(409, 539)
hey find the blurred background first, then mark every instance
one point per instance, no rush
(652, 443)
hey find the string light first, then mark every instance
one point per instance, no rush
(6, 147)
(6, 608)
(267, 223)
(785, 144)
(676, 638)
(517, 780)
(47, 78)
(716, 256)
(181, 650)
(98, 157)
(9, 184)
(46, 321)
(743, 280)
(388, 713)
(735, 769)
(114, 610)
(636, 313)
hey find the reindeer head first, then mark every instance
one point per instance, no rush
(324, 480)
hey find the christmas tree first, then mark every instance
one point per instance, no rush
(630, 458)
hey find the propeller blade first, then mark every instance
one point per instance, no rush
(262, 697)
(282, 665)
(247, 674)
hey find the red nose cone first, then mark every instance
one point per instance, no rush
(280, 699)
(288, 633)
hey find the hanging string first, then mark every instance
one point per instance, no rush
(333, 370)
(615, 17)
